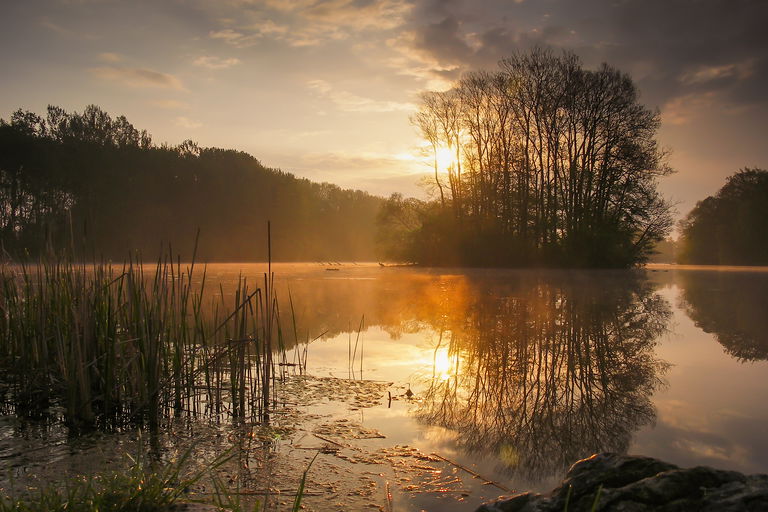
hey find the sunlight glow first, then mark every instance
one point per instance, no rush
(443, 364)
(445, 158)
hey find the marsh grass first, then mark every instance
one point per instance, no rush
(108, 345)
(302, 485)
(144, 487)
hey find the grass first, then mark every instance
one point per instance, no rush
(139, 489)
(113, 345)
(302, 484)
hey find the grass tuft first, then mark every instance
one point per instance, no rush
(139, 489)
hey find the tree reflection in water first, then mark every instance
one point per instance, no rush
(551, 370)
(730, 305)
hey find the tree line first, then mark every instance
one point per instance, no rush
(731, 227)
(96, 182)
(549, 163)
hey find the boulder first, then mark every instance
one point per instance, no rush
(622, 483)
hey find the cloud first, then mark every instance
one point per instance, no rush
(185, 122)
(170, 104)
(110, 57)
(252, 34)
(137, 77)
(354, 15)
(257, 33)
(683, 109)
(215, 62)
(65, 32)
(407, 59)
(691, 108)
(321, 86)
(348, 102)
(346, 160)
(290, 136)
(268, 27)
(704, 74)
(673, 47)
(301, 23)
(445, 41)
(235, 38)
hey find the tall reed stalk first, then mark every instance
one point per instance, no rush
(111, 345)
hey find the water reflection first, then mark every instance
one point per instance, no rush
(517, 374)
(730, 305)
(545, 371)
(533, 369)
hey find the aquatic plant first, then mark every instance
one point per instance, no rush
(106, 345)
(302, 484)
(143, 487)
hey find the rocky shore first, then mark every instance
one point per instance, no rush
(612, 482)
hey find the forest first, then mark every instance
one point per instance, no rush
(98, 184)
(731, 227)
(541, 162)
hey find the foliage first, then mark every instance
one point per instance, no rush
(97, 178)
(398, 220)
(549, 164)
(731, 227)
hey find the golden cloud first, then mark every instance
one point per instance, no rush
(137, 77)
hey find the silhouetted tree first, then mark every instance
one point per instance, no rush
(101, 182)
(551, 163)
(398, 220)
(731, 227)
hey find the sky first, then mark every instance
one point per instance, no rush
(324, 88)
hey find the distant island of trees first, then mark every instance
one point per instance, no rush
(97, 181)
(731, 227)
(539, 163)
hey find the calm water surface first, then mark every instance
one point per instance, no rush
(515, 375)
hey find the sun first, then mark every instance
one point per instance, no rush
(444, 365)
(445, 158)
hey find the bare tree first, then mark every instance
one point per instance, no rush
(560, 162)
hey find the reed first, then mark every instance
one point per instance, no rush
(107, 345)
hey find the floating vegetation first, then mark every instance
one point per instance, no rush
(360, 394)
(346, 429)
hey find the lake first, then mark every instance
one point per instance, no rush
(438, 389)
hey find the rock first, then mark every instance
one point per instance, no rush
(639, 484)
